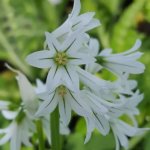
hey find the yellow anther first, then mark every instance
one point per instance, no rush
(62, 91)
(61, 58)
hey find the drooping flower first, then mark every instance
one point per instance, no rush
(125, 62)
(17, 134)
(84, 22)
(122, 131)
(66, 100)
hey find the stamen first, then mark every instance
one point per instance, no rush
(61, 58)
(62, 91)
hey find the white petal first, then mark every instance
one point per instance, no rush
(64, 129)
(102, 124)
(41, 87)
(9, 114)
(54, 77)
(15, 142)
(94, 46)
(4, 105)
(5, 139)
(77, 105)
(83, 19)
(65, 111)
(117, 142)
(136, 46)
(94, 103)
(41, 59)
(123, 140)
(46, 127)
(96, 84)
(71, 77)
(93, 24)
(93, 68)
(106, 52)
(76, 9)
(28, 94)
(70, 40)
(25, 138)
(90, 128)
(52, 42)
(79, 44)
(48, 105)
(81, 58)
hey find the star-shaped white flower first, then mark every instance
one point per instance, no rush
(62, 59)
(66, 100)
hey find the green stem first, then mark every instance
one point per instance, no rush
(40, 134)
(54, 125)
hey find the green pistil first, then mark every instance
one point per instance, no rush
(62, 91)
(61, 58)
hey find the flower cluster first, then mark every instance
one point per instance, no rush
(73, 58)
(22, 118)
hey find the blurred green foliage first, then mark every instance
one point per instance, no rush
(22, 27)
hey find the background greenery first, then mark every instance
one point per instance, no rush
(22, 27)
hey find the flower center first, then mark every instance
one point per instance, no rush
(62, 91)
(61, 58)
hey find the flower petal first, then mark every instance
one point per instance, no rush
(9, 114)
(48, 105)
(41, 59)
(64, 111)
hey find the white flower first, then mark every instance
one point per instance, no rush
(66, 100)
(125, 62)
(27, 93)
(128, 106)
(122, 131)
(105, 89)
(18, 134)
(84, 22)
(40, 87)
(125, 85)
(62, 59)
(19, 131)
(99, 118)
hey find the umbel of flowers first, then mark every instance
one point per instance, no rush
(73, 58)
